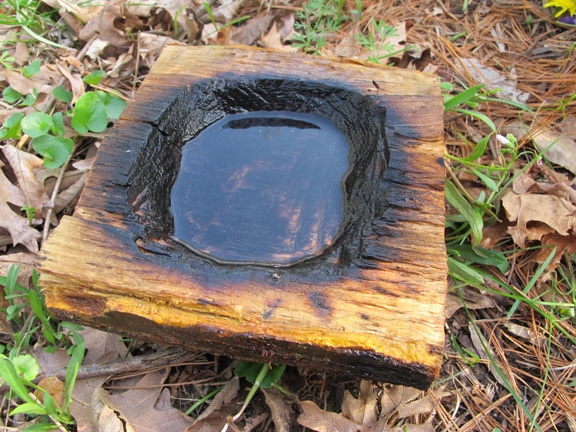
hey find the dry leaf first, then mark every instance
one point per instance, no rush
(25, 166)
(494, 80)
(136, 406)
(53, 386)
(103, 417)
(252, 30)
(214, 417)
(473, 298)
(44, 81)
(280, 409)
(563, 244)
(273, 39)
(361, 410)
(81, 9)
(558, 148)
(224, 398)
(20, 231)
(396, 396)
(104, 25)
(319, 420)
(21, 54)
(68, 197)
(87, 407)
(347, 47)
(555, 212)
(481, 345)
(422, 406)
(522, 332)
(75, 80)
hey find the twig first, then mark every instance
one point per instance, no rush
(167, 357)
(46, 229)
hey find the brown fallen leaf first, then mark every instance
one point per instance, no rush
(360, 415)
(20, 230)
(422, 406)
(557, 147)
(86, 407)
(493, 363)
(555, 212)
(361, 410)
(524, 183)
(273, 39)
(473, 298)
(53, 386)
(563, 244)
(252, 30)
(280, 408)
(136, 407)
(75, 80)
(105, 25)
(396, 396)
(319, 420)
(25, 166)
(44, 81)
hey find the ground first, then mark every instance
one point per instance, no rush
(510, 206)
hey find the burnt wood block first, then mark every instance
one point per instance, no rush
(268, 206)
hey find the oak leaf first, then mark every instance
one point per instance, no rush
(557, 213)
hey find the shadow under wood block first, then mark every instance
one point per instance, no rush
(267, 206)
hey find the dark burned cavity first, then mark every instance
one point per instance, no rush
(261, 187)
(261, 171)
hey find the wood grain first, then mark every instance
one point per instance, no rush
(378, 313)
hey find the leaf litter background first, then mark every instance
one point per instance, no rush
(512, 45)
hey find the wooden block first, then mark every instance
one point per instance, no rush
(367, 301)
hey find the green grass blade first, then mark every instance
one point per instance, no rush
(9, 374)
(462, 98)
(480, 116)
(464, 272)
(472, 216)
(532, 282)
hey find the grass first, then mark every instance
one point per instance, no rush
(518, 371)
(32, 323)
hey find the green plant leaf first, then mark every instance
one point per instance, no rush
(32, 69)
(58, 125)
(476, 154)
(464, 272)
(72, 370)
(479, 255)
(94, 78)
(37, 306)
(30, 99)
(36, 124)
(62, 94)
(30, 408)
(463, 97)
(9, 374)
(89, 114)
(250, 371)
(26, 366)
(54, 150)
(10, 95)
(487, 180)
(480, 116)
(12, 127)
(472, 216)
(114, 105)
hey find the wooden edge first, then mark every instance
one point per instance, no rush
(376, 325)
